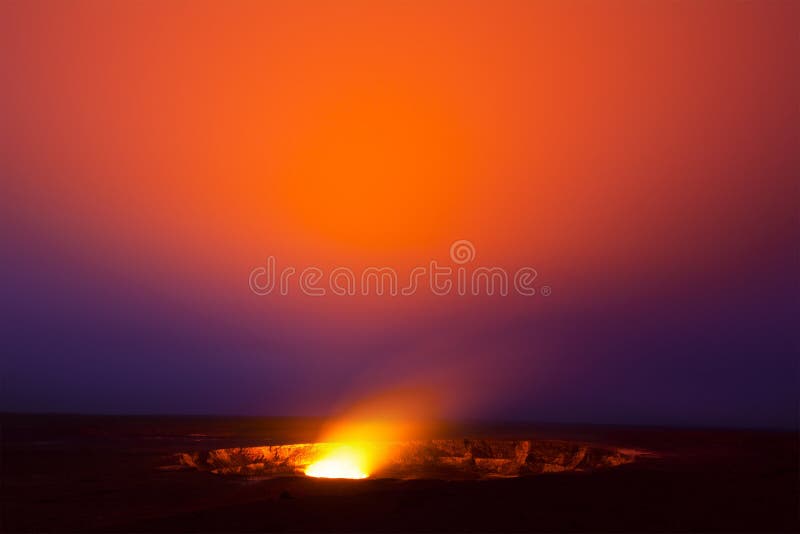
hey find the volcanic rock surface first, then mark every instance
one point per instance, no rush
(441, 459)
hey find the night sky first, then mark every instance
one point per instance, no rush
(641, 156)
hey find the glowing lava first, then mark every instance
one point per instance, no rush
(343, 462)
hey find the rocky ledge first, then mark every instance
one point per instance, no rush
(444, 459)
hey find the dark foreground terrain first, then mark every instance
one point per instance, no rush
(93, 473)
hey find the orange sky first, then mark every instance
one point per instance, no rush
(387, 130)
(173, 146)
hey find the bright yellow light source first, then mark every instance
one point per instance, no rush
(344, 462)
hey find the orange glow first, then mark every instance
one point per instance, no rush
(345, 461)
(356, 439)
(164, 150)
(351, 132)
(369, 159)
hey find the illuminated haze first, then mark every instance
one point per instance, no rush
(641, 156)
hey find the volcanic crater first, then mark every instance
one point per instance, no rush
(447, 459)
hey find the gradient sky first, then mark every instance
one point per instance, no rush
(642, 156)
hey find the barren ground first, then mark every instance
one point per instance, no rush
(93, 473)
